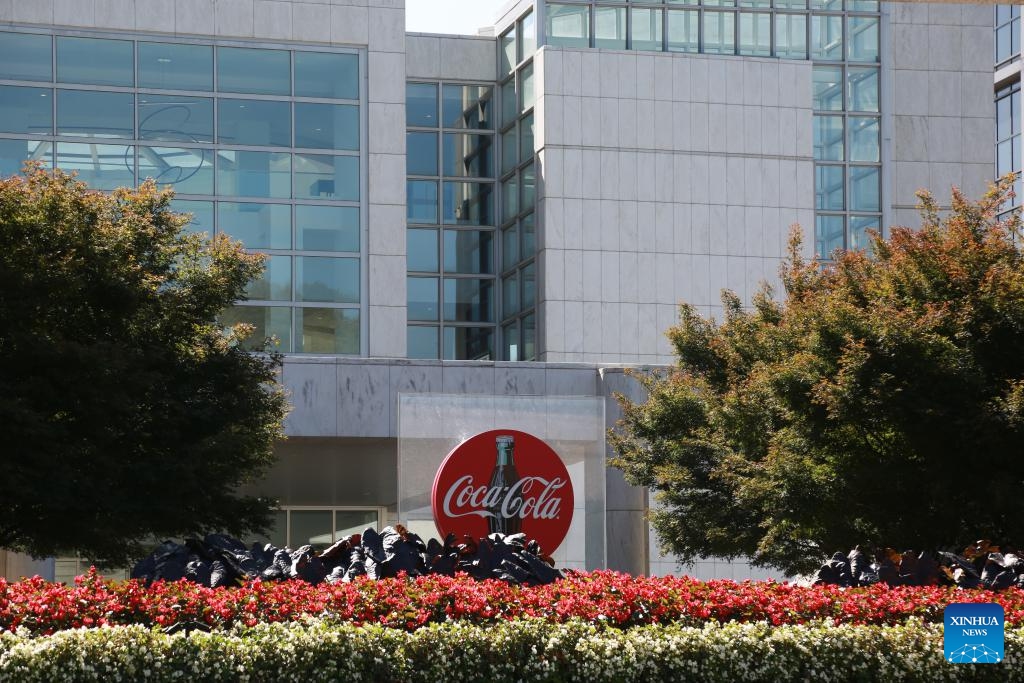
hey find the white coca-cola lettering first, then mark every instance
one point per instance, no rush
(515, 500)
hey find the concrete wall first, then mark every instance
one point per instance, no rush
(663, 178)
(455, 58)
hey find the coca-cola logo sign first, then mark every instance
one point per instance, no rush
(504, 481)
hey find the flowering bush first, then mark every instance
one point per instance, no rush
(526, 650)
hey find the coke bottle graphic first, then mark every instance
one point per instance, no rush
(503, 478)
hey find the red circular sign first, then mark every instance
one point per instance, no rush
(504, 481)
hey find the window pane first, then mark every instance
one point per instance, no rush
(719, 33)
(510, 197)
(529, 186)
(508, 52)
(94, 61)
(201, 212)
(468, 300)
(863, 89)
(252, 70)
(528, 235)
(275, 283)
(468, 252)
(175, 118)
(791, 4)
(864, 189)
(830, 5)
(323, 176)
(322, 278)
(509, 111)
(14, 153)
(312, 527)
(327, 228)
(828, 188)
(859, 225)
(467, 106)
(826, 37)
(828, 88)
(864, 138)
(254, 174)
(190, 170)
(683, 30)
(421, 198)
(529, 283)
(610, 27)
(257, 226)
(96, 114)
(526, 138)
(530, 338)
(509, 150)
(863, 39)
(468, 343)
(422, 250)
(468, 204)
(468, 156)
(421, 104)
(510, 295)
(862, 5)
(101, 167)
(175, 67)
(568, 25)
(327, 75)
(254, 122)
(26, 57)
(647, 31)
(422, 297)
(791, 36)
(26, 110)
(755, 33)
(510, 336)
(327, 330)
(509, 247)
(268, 321)
(422, 342)
(526, 93)
(828, 138)
(828, 235)
(326, 126)
(421, 153)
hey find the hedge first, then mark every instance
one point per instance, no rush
(525, 650)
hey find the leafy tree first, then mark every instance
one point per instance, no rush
(882, 402)
(126, 410)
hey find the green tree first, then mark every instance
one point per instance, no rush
(126, 411)
(882, 402)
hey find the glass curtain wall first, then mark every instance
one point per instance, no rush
(1008, 137)
(263, 145)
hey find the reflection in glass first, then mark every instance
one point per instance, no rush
(422, 297)
(328, 75)
(422, 250)
(96, 114)
(276, 282)
(508, 102)
(175, 66)
(528, 32)
(864, 138)
(528, 234)
(468, 300)
(791, 36)
(324, 176)
(101, 167)
(467, 106)
(828, 235)
(510, 295)
(326, 126)
(568, 25)
(468, 251)
(268, 321)
(253, 70)
(468, 204)
(826, 37)
(863, 39)
(175, 118)
(509, 150)
(865, 189)
(510, 198)
(257, 226)
(529, 284)
(254, 122)
(859, 225)
(683, 30)
(95, 61)
(323, 278)
(526, 137)
(14, 153)
(422, 341)
(202, 215)
(468, 343)
(509, 247)
(828, 88)
(327, 330)
(863, 89)
(828, 138)
(421, 104)
(756, 33)
(646, 30)
(26, 57)
(510, 335)
(529, 187)
(420, 153)
(312, 527)
(26, 110)
(610, 27)
(190, 170)
(254, 174)
(719, 33)
(421, 198)
(828, 188)
(526, 94)
(530, 337)
(468, 156)
(508, 52)
(327, 228)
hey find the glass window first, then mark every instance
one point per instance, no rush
(826, 37)
(509, 150)
(254, 174)
(325, 176)
(257, 226)
(467, 106)
(468, 156)
(755, 3)
(468, 251)
(510, 295)
(830, 5)
(862, 5)
(421, 153)
(422, 342)
(267, 322)
(610, 27)
(529, 337)
(526, 227)
(864, 138)
(468, 204)
(529, 284)
(529, 186)
(568, 25)
(201, 212)
(510, 335)
(791, 36)
(828, 88)
(863, 39)
(326, 126)
(327, 228)
(756, 34)
(27, 111)
(719, 33)
(422, 297)
(509, 247)
(101, 167)
(312, 527)
(683, 30)
(254, 122)
(172, 66)
(14, 153)
(828, 235)
(468, 300)
(1007, 32)
(508, 52)
(324, 278)
(526, 93)
(859, 226)
(510, 198)
(175, 118)
(327, 330)
(828, 187)
(328, 75)
(26, 57)
(864, 188)
(421, 104)
(863, 89)
(190, 170)
(96, 114)
(528, 34)
(646, 29)
(468, 343)
(95, 61)
(421, 198)
(276, 282)
(422, 251)
(526, 137)
(791, 4)
(509, 111)
(253, 70)
(828, 138)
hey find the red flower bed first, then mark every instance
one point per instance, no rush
(616, 599)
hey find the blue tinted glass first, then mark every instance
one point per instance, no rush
(467, 106)
(468, 204)
(95, 61)
(326, 126)
(469, 156)
(254, 122)
(261, 72)
(190, 170)
(101, 167)
(26, 57)
(26, 110)
(421, 201)
(324, 176)
(864, 189)
(468, 300)
(257, 226)
(422, 298)
(828, 235)
(327, 228)
(328, 75)
(421, 153)
(276, 282)
(96, 114)
(254, 174)
(175, 67)
(829, 188)
(323, 278)
(202, 215)
(14, 153)
(175, 118)
(421, 247)
(422, 341)
(421, 104)
(468, 343)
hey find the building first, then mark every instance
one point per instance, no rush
(510, 214)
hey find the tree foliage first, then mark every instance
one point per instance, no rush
(127, 411)
(882, 402)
